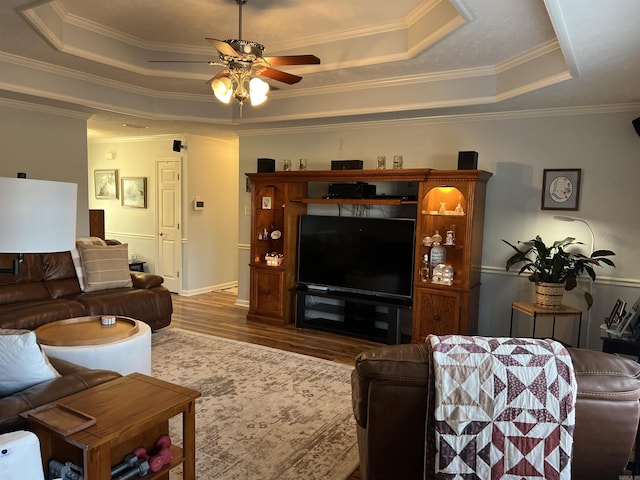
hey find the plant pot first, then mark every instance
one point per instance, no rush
(549, 295)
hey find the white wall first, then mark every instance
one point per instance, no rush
(516, 148)
(209, 237)
(212, 233)
(46, 144)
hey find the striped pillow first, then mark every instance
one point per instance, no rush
(75, 256)
(105, 267)
(77, 263)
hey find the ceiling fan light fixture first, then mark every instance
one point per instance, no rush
(222, 89)
(258, 90)
(244, 62)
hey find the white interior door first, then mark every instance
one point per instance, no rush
(169, 236)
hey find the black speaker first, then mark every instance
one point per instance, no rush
(468, 160)
(346, 164)
(177, 145)
(636, 125)
(266, 165)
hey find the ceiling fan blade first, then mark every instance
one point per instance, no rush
(280, 76)
(292, 60)
(183, 61)
(223, 47)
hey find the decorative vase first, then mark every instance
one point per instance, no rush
(549, 295)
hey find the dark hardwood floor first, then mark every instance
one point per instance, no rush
(215, 313)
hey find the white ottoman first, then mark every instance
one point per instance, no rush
(85, 342)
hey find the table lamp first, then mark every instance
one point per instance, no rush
(36, 216)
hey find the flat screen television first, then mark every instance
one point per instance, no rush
(358, 254)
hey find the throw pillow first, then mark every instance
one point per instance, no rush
(75, 256)
(22, 363)
(77, 263)
(90, 241)
(105, 267)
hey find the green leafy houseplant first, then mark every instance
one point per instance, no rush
(554, 264)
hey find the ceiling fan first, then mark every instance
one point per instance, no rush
(244, 63)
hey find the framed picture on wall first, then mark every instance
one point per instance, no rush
(106, 183)
(561, 188)
(134, 192)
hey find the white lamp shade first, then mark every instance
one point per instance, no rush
(222, 89)
(37, 216)
(258, 91)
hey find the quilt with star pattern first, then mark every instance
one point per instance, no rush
(504, 408)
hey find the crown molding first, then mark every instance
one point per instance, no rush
(48, 109)
(248, 131)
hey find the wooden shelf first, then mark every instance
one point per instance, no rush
(356, 201)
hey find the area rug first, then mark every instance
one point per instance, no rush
(264, 413)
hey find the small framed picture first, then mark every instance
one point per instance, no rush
(106, 183)
(266, 203)
(634, 324)
(616, 314)
(561, 189)
(134, 192)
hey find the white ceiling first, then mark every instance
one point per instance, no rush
(380, 59)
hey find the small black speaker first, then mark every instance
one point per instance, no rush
(468, 160)
(636, 125)
(177, 145)
(266, 165)
(346, 164)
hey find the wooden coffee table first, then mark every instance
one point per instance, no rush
(130, 412)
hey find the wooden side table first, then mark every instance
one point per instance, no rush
(535, 311)
(130, 412)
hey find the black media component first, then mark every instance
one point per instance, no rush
(636, 125)
(356, 254)
(351, 190)
(468, 160)
(358, 313)
(177, 145)
(266, 165)
(346, 164)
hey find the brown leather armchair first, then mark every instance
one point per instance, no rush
(389, 393)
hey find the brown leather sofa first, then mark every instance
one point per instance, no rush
(47, 290)
(389, 393)
(73, 378)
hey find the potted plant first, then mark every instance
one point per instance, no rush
(554, 269)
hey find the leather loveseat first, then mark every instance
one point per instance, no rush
(47, 289)
(390, 390)
(73, 378)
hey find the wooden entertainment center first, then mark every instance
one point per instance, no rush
(437, 199)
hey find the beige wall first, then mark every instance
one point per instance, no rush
(46, 144)
(209, 237)
(516, 148)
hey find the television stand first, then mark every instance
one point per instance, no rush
(349, 313)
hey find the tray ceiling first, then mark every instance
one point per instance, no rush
(391, 59)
